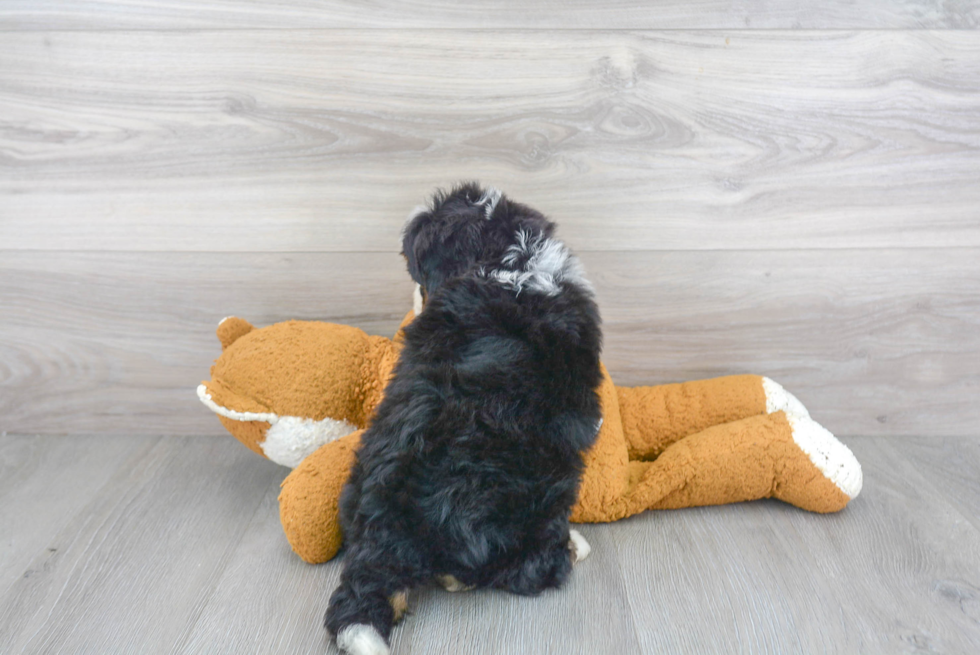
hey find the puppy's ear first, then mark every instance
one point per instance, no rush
(445, 239)
(411, 245)
(416, 242)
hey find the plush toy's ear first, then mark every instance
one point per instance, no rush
(231, 328)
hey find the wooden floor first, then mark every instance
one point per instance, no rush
(122, 544)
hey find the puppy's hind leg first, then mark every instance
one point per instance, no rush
(371, 598)
(360, 620)
(546, 566)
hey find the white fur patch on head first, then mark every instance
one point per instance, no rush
(289, 439)
(547, 263)
(835, 460)
(578, 545)
(489, 200)
(362, 639)
(780, 400)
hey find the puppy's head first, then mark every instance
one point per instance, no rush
(463, 229)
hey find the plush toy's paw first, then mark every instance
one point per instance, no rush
(780, 400)
(579, 546)
(835, 460)
(361, 639)
(310, 497)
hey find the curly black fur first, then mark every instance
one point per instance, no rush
(463, 229)
(473, 461)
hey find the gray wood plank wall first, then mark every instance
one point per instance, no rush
(801, 201)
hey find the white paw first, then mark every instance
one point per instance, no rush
(361, 639)
(830, 456)
(578, 545)
(780, 400)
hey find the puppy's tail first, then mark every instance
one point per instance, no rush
(363, 610)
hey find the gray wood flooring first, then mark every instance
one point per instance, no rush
(126, 544)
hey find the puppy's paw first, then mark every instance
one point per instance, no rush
(578, 545)
(450, 583)
(361, 639)
(399, 603)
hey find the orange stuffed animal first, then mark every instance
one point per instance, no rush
(300, 393)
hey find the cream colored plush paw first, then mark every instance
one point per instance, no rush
(830, 456)
(780, 400)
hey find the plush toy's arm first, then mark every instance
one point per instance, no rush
(310, 496)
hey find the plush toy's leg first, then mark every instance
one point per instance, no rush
(769, 455)
(308, 501)
(656, 417)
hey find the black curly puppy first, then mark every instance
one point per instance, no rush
(471, 466)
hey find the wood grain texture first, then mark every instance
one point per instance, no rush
(44, 483)
(482, 14)
(135, 567)
(267, 599)
(873, 342)
(896, 571)
(182, 552)
(590, 615)
(324, 140)
(951, 466)
(117, 342)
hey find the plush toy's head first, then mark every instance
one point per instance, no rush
(287, 389)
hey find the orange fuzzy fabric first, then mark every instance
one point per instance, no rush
(681, 445)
